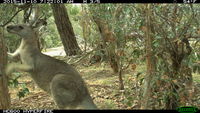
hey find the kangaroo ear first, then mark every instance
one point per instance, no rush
(39, 24)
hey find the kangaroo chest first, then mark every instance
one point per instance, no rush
(38, 74)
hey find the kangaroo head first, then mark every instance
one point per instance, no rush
(24, 31)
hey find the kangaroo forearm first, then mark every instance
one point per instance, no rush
(18, 67)
(13, 55)
(13, 58)
(23, 68)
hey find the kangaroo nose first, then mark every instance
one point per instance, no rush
(9, 27)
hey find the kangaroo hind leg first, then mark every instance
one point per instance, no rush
(62, 92)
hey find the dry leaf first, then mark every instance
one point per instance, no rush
(175, 81)
(133, 66)
(144, 28)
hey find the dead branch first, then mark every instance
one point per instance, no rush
(83, 56)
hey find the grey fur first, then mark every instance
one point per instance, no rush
(57, 78)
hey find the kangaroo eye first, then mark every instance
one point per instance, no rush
(21, 27)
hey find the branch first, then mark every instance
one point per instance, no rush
(80, 59)
(125, 67)
(185, 27)
(164, 18)
(27, 14)
(162, 32)
(3, 25)
(24, 6)
(21, 7)
(194, 14)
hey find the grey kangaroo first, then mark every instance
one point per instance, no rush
(57, 78)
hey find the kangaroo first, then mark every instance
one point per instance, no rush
(57, 78)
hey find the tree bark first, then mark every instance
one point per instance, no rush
(149, 60)
(65, 29)
(4, 92)
(84, 27)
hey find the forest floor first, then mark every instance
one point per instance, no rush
(102, 84)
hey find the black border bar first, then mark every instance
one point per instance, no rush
(99, 1)
(87, 111)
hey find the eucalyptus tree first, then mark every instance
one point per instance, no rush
(4, 91)
(65, 29)
(172, 26)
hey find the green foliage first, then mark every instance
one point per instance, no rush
(23, 92)
(13, 82)
(129, 98)
(6, 14)
(73, 9)
(12, 41)
(46, 10)
(50, 35)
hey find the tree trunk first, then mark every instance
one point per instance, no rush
(121, 83)
(84, 27)
(181, 74)
(65, 29)
(108, 43)
(149, 60)
(4, 92)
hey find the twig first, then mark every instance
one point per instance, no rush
(3, 25)
(84, 56)
(21, 7)
(164, 18)
(186, 27)
(26, 17)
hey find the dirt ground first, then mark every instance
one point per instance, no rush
(102, 84)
